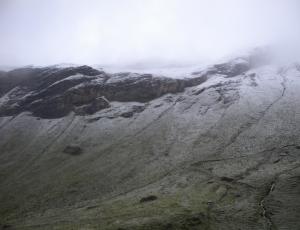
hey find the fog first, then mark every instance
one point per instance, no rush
(132, 32)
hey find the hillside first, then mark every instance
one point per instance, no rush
(84, 149)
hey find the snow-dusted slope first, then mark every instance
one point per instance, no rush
(217, 151)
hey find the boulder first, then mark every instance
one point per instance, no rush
(73, 150)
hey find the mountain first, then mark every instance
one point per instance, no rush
(84, 149)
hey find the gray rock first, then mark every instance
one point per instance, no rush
(73, 150)
(54, 93)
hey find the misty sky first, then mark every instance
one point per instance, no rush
(121, 32)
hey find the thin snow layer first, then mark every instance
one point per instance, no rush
(72, 78)
(172, 72)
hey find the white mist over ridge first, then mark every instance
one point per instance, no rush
(122, 33)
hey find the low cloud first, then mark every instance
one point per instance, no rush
(121, 32)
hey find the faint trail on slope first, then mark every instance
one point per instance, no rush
(26, 167)
(58, 136)
(264, 213)
(126, 137)
(253, 120)
(156, 119)
(7, 122)
(220, 91)
(198, 139)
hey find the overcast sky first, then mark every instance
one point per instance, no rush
(120, 32)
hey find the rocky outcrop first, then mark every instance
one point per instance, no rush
(35, 78)
(54, 93)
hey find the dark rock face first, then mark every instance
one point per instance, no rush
(40, 78)
(53, 92)
(141, 88)
(42, 91)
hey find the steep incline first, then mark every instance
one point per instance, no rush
(89, 150)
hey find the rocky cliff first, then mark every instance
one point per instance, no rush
(84, 149)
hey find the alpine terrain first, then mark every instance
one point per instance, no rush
(81, 148)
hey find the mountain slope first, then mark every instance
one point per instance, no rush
(83, 149)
